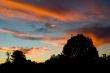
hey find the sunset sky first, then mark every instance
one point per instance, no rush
(40, 28)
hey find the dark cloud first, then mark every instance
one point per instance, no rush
(82, 11)
(43, 30)
(75, 9)
(98, 32)
(62, 10)
(28, 36)
(98, 28)
(55, 5)
(63, 5)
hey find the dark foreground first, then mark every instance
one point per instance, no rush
(39, 68)
(78, 55)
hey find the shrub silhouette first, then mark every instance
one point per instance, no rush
(79, 49)
(8, 57)
(18, 57)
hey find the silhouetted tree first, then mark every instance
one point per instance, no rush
(80, 48)
(8, 57)
(18, 57)
(59, 59)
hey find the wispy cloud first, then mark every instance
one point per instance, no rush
(30, 52)
(61, 16)
(98, 32)
(28, 36)
(63, 11)
(36, 12)
(18, 34)
(43, 14)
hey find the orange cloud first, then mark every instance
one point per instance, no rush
(57, 44)
(30, 52)
(29, 12)
(28, 8)
(37, 51)
(95, 10)
(11, 14)
(18, 34)
(98, 32)
(36, 13)
(96, 41)
(49, 40)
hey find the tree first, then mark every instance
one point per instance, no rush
(80, 48)
(8, 57)
(18, 57)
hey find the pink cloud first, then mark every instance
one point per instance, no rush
(30, 52)
(27, 36)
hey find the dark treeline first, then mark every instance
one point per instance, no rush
(79, 50)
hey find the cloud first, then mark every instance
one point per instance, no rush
(27, 36)
(13, 7)
(62, 10)
(57, 43)
(47, 11)
(25, 12)
(6, 49)
(30, 52)
(99, 33)
(37, 51)
(75, 10)
(65, 16)
(22, 35)
(19, 34)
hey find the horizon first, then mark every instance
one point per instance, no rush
(29, 53)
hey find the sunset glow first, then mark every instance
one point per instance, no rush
(41, 28)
